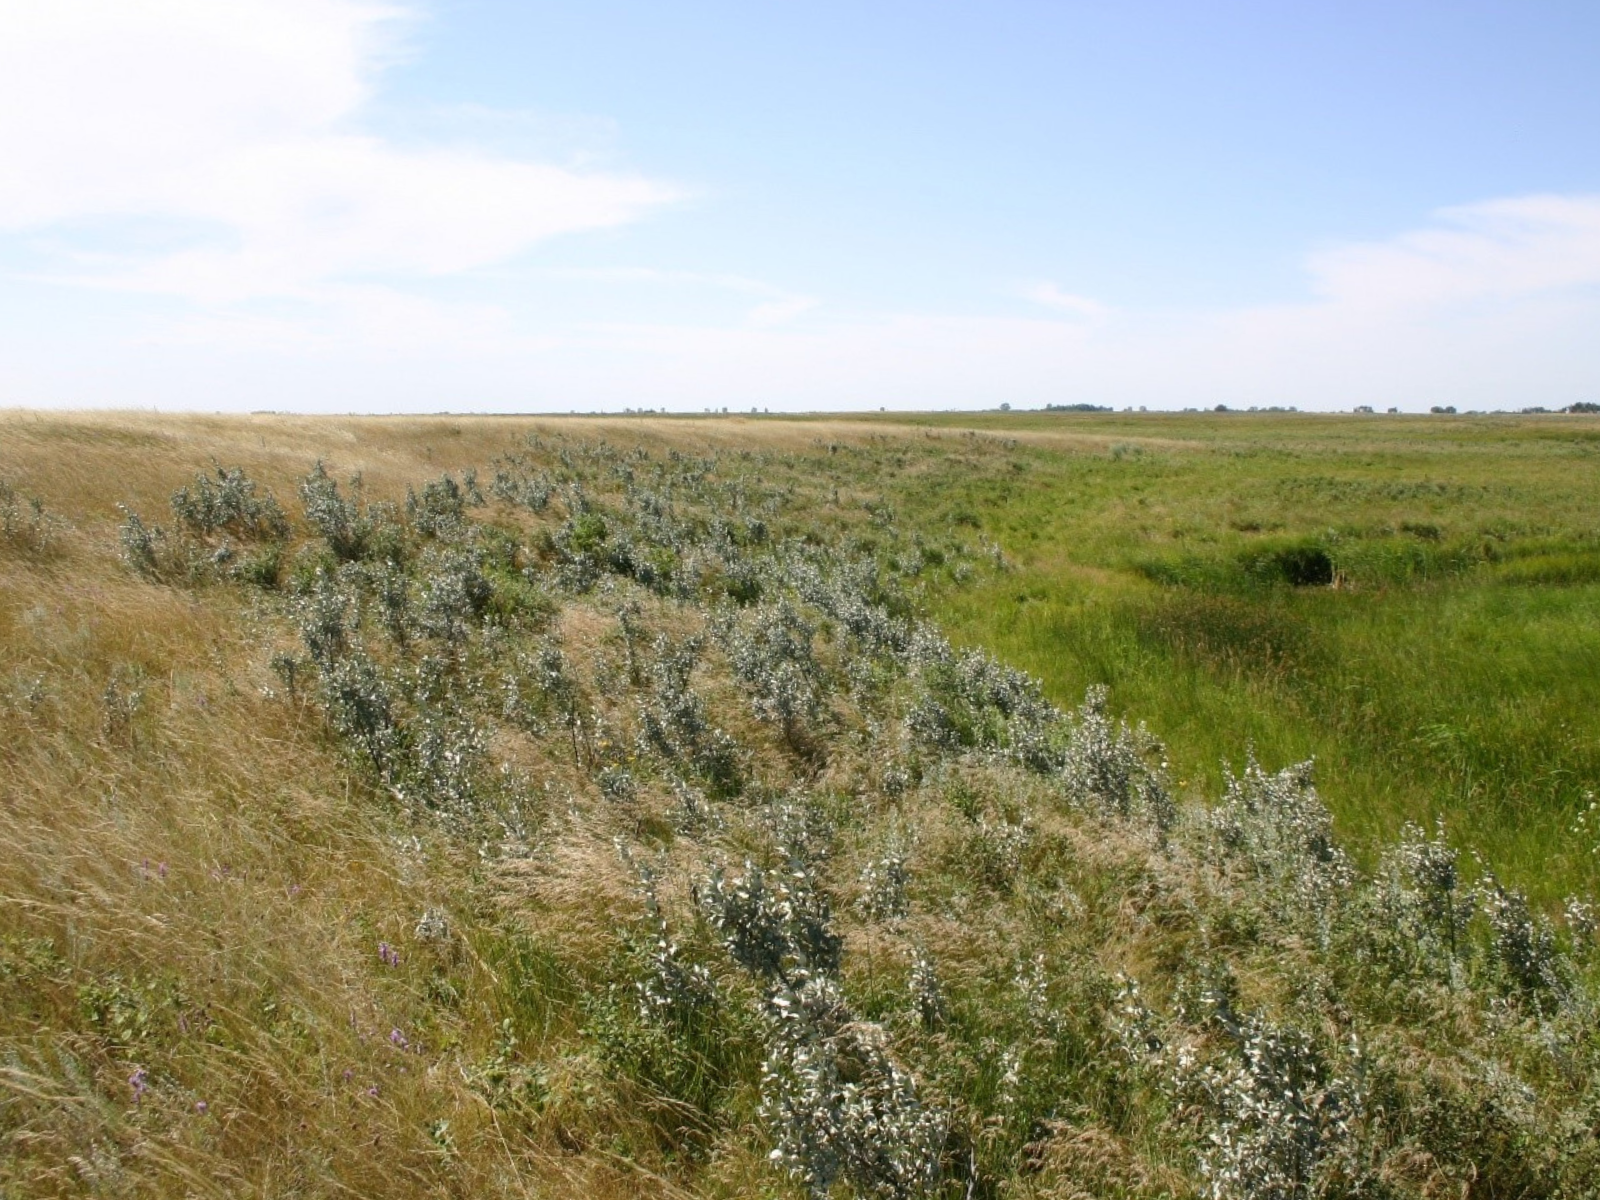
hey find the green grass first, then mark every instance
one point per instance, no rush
(1451, 671)
(426, 862)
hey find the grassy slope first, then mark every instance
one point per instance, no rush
(193, 890)
(195, 880)
(1454, 673)
(199, 888)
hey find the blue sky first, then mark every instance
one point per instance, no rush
(345, 205)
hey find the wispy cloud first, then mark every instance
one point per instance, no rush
(1492, 305)
(1500, 249)
(1486, 305)
(780, 312)
(1051, 296)
(236, 125)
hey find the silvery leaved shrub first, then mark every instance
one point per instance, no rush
(927, 993)
(883, 884)
(440, 510)
(1275, 823)
(455, 594)
(1243, 1070)
(1281, 1116)
(839, 1105)
(772, 923)
(1522, 942)
(141, 544)
(226, 501)
(24, 524)
(1105, 764)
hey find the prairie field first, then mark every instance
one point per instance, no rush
(1022, 804)
(1441, 661)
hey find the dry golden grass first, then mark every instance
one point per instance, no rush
(191, 872)
(213, 975)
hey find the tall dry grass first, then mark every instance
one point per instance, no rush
(233, 961)
(191, 874)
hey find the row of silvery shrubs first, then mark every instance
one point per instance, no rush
(423, 630)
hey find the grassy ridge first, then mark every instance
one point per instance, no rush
(605, 821)
(1452, 670)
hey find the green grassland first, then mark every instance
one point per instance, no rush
(1441, 660)
(479, 807)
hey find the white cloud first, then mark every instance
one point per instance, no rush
(780, 312)
(351, 321)
(338, 206)
(105, 105)
(1489, 305)
(235, 122)
(1498, 250)
(1051, 296)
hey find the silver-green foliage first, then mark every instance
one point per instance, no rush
(840, 1106)
(1282, 1118)
(773, 923)
(226, 501)
(25, 525)
(419, 672)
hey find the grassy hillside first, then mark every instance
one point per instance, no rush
(1451, 670)
(510, 807)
